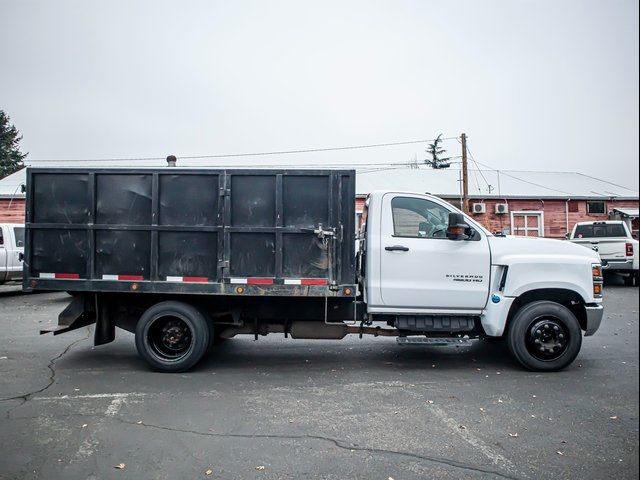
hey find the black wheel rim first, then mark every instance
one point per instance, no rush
(547, 338)
(170, 337)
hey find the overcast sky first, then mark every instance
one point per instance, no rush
(536, 85)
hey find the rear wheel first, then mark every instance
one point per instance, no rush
(544, 336)
(629, 280)
(172, 336)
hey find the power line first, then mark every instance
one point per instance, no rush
(478, 168)
(522, 180)
(247, 154)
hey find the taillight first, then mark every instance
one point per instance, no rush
(629, 249)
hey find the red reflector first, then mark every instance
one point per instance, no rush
(629, 249)
(67, 275)
(259, 281)
(313, 281)
(195, 279)
(130, 277)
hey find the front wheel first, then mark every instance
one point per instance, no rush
(544, 336)
(172, 336)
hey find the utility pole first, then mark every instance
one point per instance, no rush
(465, 174)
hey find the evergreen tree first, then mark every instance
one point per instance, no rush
(435, 150)
(10, 156)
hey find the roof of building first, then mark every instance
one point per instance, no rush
(493, 184)
(627, 212)
(10, 185)
(446, 183)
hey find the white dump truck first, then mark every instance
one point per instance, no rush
(184, 258)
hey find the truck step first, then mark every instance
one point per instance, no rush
(434, 341)
(435, 323)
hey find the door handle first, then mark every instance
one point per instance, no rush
(400, 248)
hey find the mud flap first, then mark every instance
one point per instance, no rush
(81, 312)
(75, 316)
(105, 324)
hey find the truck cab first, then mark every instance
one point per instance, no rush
(427, 268)
(11, 251)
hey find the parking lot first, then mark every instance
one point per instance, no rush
(281, 408)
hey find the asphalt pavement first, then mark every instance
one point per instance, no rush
(290, 409)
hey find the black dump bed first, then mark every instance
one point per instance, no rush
(194, 231)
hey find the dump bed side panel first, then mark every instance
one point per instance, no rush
(278, 232)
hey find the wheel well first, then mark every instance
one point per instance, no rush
(568, 298)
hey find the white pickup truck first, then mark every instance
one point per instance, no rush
(186, 258)
(614, 243)
(11, 250)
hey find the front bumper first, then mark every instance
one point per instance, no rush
(594, 318)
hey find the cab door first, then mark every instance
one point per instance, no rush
(421, 269)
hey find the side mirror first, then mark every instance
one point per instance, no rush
(567, 236)
(458, 228)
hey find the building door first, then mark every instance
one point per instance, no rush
(527, 223)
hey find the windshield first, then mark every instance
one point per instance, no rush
(600, 231)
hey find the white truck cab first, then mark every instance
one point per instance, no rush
(11, 250)
(427, 266)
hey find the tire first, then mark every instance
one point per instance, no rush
(544, 336)
(172, 336)
(629, 280)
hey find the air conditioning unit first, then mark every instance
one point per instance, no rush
(502, 208)
(478, 208)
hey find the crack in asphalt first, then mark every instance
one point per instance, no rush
(25, 397)
(337, 443)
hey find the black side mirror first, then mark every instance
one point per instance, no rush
(458, 228)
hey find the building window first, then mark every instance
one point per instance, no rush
(527, 223)
(596, 208)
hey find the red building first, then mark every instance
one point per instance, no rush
(544, 204)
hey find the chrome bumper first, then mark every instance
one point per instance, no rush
(594, 318)
(617, 265)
